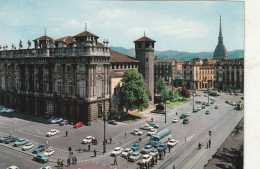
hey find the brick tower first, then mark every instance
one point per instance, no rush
(144, 51)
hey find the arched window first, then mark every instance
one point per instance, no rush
(99, 87)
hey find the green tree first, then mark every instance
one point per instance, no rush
(177, 94)
(160, 86)
(171, 95)
(133, 94)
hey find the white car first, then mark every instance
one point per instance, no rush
(116, 151)
(152, 132)
(172, 142)
(12, 167)
(188, 114)
(146, 159)
(199, 108)
(175, 120)
(49, 152)
(52, 132)
(27, 146)
(153, 152)
(137, 132)
(88, 139)
(126, 152)
(146, 127)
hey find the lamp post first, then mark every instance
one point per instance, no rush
(165, 110)
(208, 90)
(104, 143)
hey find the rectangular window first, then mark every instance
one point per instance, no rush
(147, 45)
(59, 87)
(82, 89)
(70, 88)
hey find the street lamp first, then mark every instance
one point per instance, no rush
(104, 143)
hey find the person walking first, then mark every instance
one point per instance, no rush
(160, 155)
(173, 167)
(152, 119)
(62, 163)
(140, 139)
(73, 160)
(66, 133)
(95, 153)
(169, 148)
(88, 147)
(68, 162)
(106, 141)
(58, 162)
(115, 161)
(110, 139)
(76, 160)
(176, 113)
(209, 143)
(185, 138)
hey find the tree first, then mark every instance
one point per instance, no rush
(133, 94)
(177, 94)
(184, 92)
(159, 86)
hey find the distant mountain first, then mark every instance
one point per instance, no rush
(172, 54)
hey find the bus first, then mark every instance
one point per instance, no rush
(161, 137)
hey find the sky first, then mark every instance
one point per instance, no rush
(182, 26)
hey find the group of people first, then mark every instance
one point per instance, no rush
(60, 163)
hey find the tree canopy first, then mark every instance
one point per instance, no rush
(184, 92)
(133, 94)
(160, 86)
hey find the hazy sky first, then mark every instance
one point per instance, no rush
(182, 26)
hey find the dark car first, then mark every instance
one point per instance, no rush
(161, 147)
(3, 138)
(183, 116)
(203, 106)
(186, 121)
(154, 125)
(40, 148)
(112, 122)
(10, 140)
(41, 158)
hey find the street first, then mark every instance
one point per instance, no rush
(184, 155)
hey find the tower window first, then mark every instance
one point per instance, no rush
(146, 59)
(146, 44)
(139, 45)
(152, 45)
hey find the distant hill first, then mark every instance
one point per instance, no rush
(172, 54)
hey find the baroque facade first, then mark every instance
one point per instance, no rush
(67, 78)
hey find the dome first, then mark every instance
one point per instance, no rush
(220, 52)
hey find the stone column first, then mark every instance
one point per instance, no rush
(36, 106)
(74, 66)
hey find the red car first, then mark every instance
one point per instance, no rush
(79, 124)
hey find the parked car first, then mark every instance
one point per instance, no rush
(116, 151)
(212, 102)
(185, 121)
(134, 157)
(175, 120)
(135, 146)
(88, 139)
(12, 167)
(207, 104)
(227, 101)
(172, 143)
(112, 122)
(136, 132)
(41, 158)
(20, 142)
(27, 146)
(153, 152)
(183, 116)
(46, 167)
(3, 138)
(199, 108)
(49, 152)
(154, 125)
(203, 103)
(147, 149)
(40, 148)
(198, 101)
(64, 122)
(126, 152)
(50, 119)
(10, 140)
(78, 124)
(146, 127)
(188, 114)
(161, 147)
(207, 112)
(195, 110)
(203, 106)
(146, 159)
(52, 132)
(152, 132)
(56, 120)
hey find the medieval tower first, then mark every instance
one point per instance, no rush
(144, 50)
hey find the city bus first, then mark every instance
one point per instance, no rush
(161, 137)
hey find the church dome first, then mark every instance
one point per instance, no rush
(220, 52)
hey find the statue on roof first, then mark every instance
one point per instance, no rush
(12, 46)
(37, 44)
(29, 44)
(20, 45)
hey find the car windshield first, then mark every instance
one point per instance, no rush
(135, 154)
(145, 158)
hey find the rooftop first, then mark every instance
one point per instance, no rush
(144, 39)
(85, 34)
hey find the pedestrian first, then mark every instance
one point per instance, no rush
(76, 160)
(153, 161)
(95, 153)
(185, 138)
(156, 158)
(62, 163)
(128, 155)
(176, 113)
(152, 119)
(72, 159)
(11, 133)
(160, 155)
(88, 147)
(140, 139)
(106, 141)
(115, 161)
(110, 139)
(58, 162)
(173, 167)
(68, 162)
(209, 143)
(164, 151)
(66, 133)
(169, 148)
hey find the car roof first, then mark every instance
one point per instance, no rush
(136, 152)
